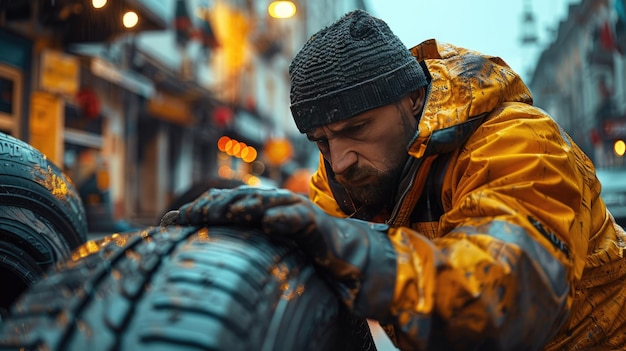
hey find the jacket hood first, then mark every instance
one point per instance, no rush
(465, 86)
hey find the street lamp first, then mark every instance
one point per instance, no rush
(282, 9)
(130, 19)
(98, 4)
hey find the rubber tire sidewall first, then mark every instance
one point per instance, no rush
(30, 180)
(181, 288)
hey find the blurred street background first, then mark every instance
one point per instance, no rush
(147, 103)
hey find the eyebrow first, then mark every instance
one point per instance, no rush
(342, 127)
(311, 137)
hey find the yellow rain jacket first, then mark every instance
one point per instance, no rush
(502, 239)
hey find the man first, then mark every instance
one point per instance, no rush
(448, 207)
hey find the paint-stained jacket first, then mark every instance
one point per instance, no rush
(502, 239)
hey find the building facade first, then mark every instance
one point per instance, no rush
(135, 113)
(580, 79)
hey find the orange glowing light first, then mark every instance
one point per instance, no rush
(225, 172)
(250, 154)
(278, 151)
(229, 147)
(221, 143)
(236, 149)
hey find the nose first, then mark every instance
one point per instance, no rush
(341, 159)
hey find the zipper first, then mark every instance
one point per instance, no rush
(416, 163)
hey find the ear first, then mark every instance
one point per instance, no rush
(418, 98)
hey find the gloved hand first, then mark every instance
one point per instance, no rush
(357, 255)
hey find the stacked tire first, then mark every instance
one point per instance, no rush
(184, 288)
(42, 218)
(161, 288)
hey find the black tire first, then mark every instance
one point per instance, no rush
(42, 218)
(183, 288)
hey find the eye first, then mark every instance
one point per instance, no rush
(357, 127)
(321, 142)
(317, 140)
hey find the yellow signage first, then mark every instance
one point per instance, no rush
(59, 73)
(170, 108)
(46, 125)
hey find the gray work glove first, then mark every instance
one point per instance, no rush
(357, 255)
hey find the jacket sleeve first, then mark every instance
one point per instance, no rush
(500, 274)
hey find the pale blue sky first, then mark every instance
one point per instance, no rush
(490, 26)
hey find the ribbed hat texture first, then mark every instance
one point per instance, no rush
(354, 65)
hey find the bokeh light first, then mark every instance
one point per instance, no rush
(130, 19)
(282, 9)
(221, 143)
(619, 147)
(239, 149)
(98, 4)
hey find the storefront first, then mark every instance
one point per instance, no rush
(100, 138)
(15, 63)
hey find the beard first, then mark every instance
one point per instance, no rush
(379, 192)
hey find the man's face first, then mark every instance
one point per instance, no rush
(368, 151)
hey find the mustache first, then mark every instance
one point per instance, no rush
(355, 173)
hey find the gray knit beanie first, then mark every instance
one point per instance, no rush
(354, 65)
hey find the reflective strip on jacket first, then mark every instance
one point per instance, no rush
(525, 255)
